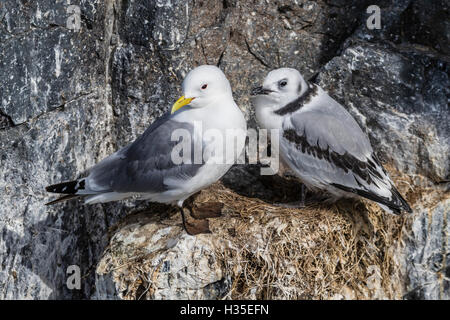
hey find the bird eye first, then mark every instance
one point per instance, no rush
(204, 86)
(283, 83)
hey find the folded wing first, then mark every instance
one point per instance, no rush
(143, 166)
(328, 150)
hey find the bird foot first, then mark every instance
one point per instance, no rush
(197, 227)
(207, 210)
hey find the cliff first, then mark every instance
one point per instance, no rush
(77, 85)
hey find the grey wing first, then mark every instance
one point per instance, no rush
(330, 149)
(334, 128)
(143, 165)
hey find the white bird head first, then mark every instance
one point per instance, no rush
(203, 86)
(280, 87)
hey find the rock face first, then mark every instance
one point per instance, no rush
(70, 96)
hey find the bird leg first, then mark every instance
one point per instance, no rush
(196, 227)
(206, 210)
(296, 204)
(303, 195)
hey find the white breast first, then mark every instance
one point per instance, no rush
(267, 119)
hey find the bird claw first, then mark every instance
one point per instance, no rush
(197, 227)
(207, 210)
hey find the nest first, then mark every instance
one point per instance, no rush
(346, 250)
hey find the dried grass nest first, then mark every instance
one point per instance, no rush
(347, 250)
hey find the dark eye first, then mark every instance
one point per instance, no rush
(204, 86)
(283, 83)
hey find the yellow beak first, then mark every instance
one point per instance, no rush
(180, 103)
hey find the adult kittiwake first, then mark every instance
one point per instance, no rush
(150, 167)
(321, 142)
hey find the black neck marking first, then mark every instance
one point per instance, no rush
(293, 106)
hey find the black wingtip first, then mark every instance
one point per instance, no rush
(399, 210)
(397, 204)
(403, 204)
(407, 208)
(69, 187)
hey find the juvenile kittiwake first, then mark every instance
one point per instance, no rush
(321, 142)
(146, 168)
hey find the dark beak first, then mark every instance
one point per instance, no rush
(260, 91)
